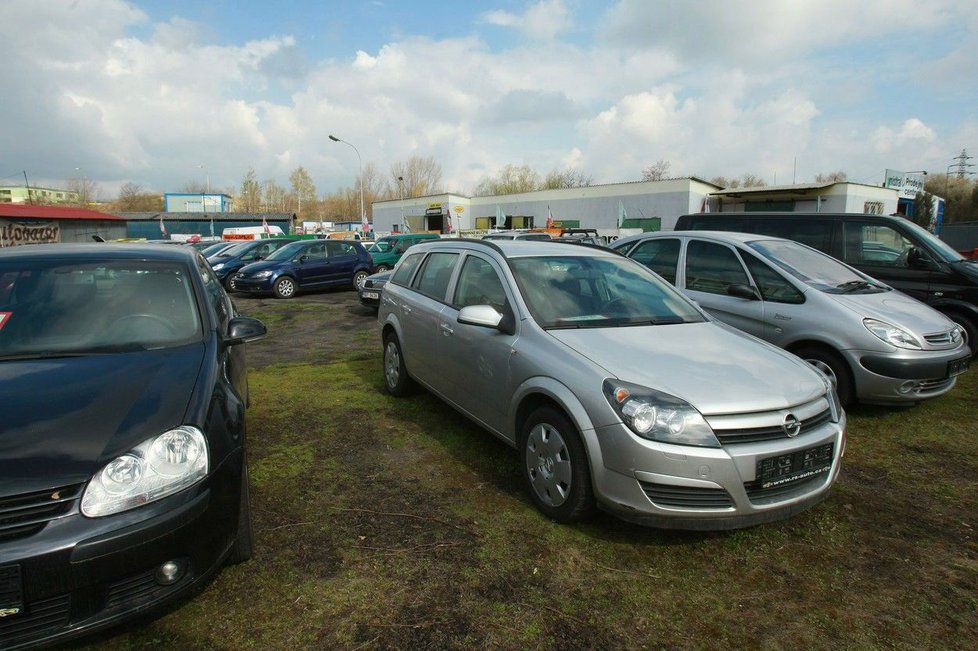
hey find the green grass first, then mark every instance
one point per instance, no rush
(396, 523)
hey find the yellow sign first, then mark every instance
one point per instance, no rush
(459, 209)
(434, 205)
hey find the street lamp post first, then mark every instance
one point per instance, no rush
(363, 216)
(400, 186)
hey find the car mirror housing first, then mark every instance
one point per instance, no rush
(243, 329)
(743, 291)
(486, 316)
(917, 259)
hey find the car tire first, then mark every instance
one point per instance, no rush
(555, 466)
(396, 379)
(970, 330)
(358, 279)
(831, 364)
(227, 284)
(382, 268)
(284, 287)
(244, 540)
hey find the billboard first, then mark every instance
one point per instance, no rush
(15, 233)
(906, 184)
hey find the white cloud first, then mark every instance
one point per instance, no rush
(542, 20)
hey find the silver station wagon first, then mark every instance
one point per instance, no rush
(617, 391)
(875, 343)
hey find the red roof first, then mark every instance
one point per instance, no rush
(22, 211)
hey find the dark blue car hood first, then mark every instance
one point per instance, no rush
(63, 418)
(274, 265)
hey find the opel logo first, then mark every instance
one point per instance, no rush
(791, 425)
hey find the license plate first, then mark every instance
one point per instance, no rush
(371, 295)
(11, 597)
(794, 466)
(957, 366)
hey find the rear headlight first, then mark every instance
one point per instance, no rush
(154, 469)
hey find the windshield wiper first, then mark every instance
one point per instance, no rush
(854, 285)
(55, 354)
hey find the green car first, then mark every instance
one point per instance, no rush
(386, 251)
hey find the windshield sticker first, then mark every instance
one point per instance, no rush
(4, 317)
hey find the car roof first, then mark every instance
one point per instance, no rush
(726, 236)
(521, 248)
(99, 251)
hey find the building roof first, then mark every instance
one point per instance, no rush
(196, 194)
(22, 211)
(205, 216)
(794, 188)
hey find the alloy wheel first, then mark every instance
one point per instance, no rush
(286, 287)
(548, 464)
(392, 364)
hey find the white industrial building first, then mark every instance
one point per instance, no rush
(649, 205)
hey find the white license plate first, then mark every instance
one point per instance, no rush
(371, 295)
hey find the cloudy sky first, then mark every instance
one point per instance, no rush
(161, 92)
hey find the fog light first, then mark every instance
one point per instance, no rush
(907, 387)
(169, 573)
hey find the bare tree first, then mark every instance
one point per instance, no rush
(194, 187)
(511, 179)
(273, 197)
(421, 176)
(656, 171)
(724, 182)
(303, 190)
(249, 198)
(133, 198)
(82, 191)
(923, 209)
(750, 180)
(831, 177)
(566, 178)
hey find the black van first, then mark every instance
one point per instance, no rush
(888, 248)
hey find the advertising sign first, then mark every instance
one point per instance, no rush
(906, 185)
(15, 233)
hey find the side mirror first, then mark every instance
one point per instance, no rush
(303, 258)
(242, 329)
(486, 316)
(259, 257)
(917, 259)
(739, 290)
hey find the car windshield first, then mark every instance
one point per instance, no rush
(234, 250)
(214, 249)
(382, 246)
(816, 269)
(57, 308)
(498, 237)
(287, 252)
(936, 244)
(597, 292)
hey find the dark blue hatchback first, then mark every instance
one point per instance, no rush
(306, 264)
(229, 261)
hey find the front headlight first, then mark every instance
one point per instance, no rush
(658, 416)
(891, 334)
(152, 470)
(263, 274)
(218, 266)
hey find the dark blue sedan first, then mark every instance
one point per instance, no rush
(229, 261)
(123, 484)
(306, 264)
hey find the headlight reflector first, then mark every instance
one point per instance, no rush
(264, 274)
(152, 470)
(891, 334)
(218, 266)
(658, 416)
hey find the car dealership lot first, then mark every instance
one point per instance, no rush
(387, 522)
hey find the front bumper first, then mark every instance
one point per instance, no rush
(684, 487)
(241, 283)
(907, 376)
(367, 296)
(81, 575)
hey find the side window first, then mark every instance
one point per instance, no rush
(816, 233)
(214, 293)
(875, 245)
(335, 249)
(479, 284)
(661, 256)
(315, 252)
(712, 267)
(402, 276)
(772, 285)
(435, 275)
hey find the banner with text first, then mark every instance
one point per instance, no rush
(13, 233)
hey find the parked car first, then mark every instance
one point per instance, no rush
(372, 288)
(306, 264)
(518, 235)
(230, 261)
(123, 477)
(216, 247)
(925, 267)
(391, 248)
(581, 239)
(616, 390)
(876, 344)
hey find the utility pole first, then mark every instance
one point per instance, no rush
(28, 186)
(962, 165)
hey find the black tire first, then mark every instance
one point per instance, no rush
(227, 284)
(396, 379)
(285, 287)
(844, 385)
(381, 268)
(969, 327)
(578, 503)
(244, 541)
(358, 278)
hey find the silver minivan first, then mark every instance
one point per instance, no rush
(875, 343)
(616, 390)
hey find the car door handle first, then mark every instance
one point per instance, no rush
(447, 329)
(407, 308)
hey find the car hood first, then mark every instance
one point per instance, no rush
(715, 368)
(65, 417)
(254, 267)
(897, 309)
